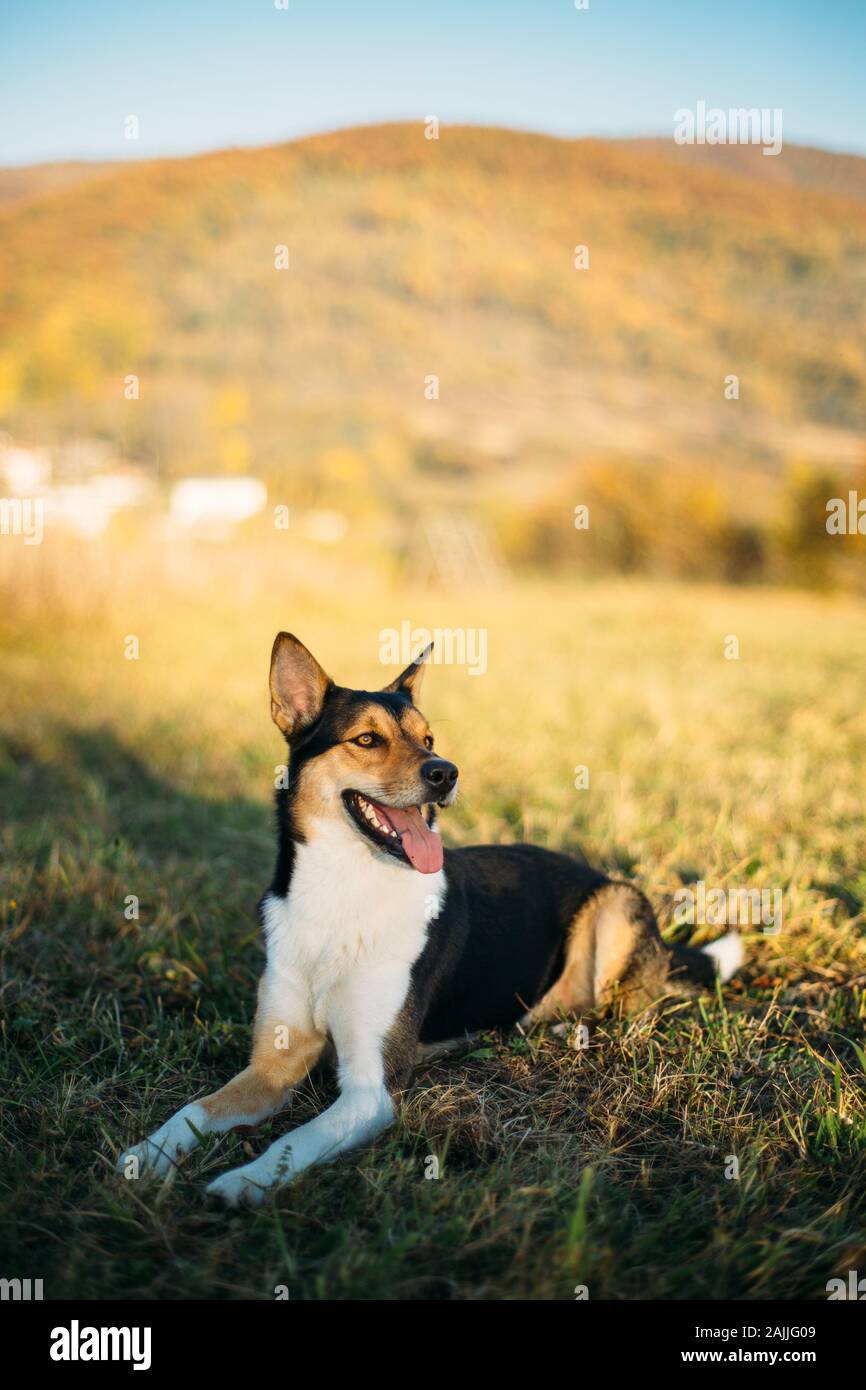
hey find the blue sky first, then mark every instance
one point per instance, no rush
(204, 74)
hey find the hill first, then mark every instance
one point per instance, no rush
(798, 166)
(26, 183)
(452, 258)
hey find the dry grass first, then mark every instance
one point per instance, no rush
(559, 1166)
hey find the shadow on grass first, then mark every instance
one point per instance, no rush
(93, 779)
(86, 824)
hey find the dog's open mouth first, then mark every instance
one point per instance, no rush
(401, 830)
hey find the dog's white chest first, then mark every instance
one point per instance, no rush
(346, 909)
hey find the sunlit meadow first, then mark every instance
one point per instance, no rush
(559, 1167)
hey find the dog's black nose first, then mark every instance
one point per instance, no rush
(440, 774)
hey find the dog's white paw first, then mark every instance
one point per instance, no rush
(146, 1157)
(242, 1187)
(159, 1153)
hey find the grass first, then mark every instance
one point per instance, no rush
(560, 1166)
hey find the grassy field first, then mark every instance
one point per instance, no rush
(559, 1167)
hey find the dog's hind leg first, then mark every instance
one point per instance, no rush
(613, 953)
(283, 1055)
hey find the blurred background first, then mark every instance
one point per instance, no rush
(427, 342)
(576, 386)
(430, 381)
(434, 367)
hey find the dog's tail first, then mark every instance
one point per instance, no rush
(701, 965)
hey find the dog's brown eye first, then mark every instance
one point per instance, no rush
(428, 741)
(365, 740)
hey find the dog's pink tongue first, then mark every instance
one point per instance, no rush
(422, 845)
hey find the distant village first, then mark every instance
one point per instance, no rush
(82, 487)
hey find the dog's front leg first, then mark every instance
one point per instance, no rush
(355, 1118)
(361, 1013)
(283, 1054)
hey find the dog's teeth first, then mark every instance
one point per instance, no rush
(369, 814)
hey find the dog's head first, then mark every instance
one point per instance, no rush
(364, 755)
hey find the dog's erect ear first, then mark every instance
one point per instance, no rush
(298, 685)
(409, 681)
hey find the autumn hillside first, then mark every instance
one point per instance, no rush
(410, 259)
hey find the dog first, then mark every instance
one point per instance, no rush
(379, 941)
